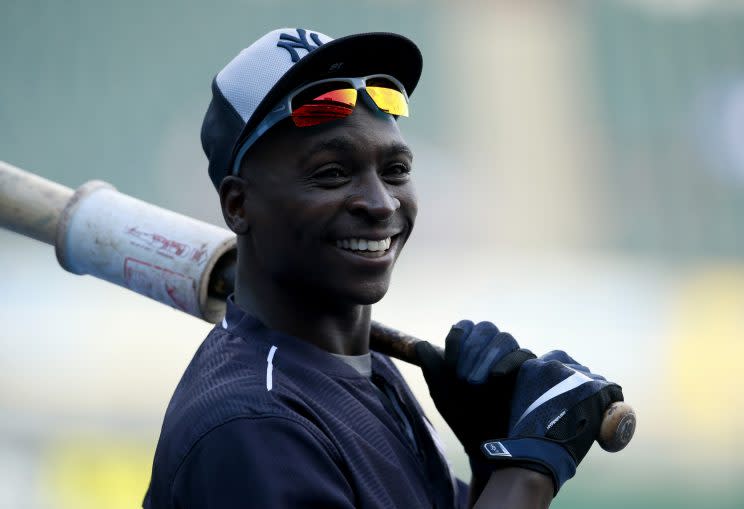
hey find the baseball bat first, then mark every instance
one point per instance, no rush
(171, 258)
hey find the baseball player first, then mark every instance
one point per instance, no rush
(284, 405)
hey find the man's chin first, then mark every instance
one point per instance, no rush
(368, 293)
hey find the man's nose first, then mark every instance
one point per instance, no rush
(373, 198)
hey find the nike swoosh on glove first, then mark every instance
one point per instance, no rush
(556, 414)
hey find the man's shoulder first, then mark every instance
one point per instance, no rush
(225, 380)
(222, 391)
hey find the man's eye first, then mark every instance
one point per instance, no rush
(398, 172)
(333, 174)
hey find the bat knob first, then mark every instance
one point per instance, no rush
(618, 427)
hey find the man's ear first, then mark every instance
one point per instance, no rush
(233, 198)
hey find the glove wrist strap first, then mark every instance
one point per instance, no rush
(549, 454)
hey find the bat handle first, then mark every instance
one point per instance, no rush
(618, 422)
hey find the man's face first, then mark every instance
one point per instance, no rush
(330, 207)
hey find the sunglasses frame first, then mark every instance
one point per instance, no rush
(284, 109)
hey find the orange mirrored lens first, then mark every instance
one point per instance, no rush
(389, 100)
(317, 109)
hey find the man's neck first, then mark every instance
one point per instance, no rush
(341, 330)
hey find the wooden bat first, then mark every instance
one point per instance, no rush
(174, 259)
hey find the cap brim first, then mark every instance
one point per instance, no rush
(353, 55)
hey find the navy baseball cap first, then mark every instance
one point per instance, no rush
(246, 90)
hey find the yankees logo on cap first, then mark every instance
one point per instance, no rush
(251, 85)
(291, 43)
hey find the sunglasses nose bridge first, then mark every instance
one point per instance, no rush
(364, 97)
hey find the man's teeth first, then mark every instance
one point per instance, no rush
(364, 244)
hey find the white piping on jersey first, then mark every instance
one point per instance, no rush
(270, 368)
(570, 383)
(269, 362)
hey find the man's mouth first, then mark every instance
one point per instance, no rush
(365, 247)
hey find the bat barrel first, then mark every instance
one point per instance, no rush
(152, 251)
(29, 204)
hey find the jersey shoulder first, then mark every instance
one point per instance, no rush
(252, 459)
(228, 378)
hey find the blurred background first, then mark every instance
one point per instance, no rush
(580, 167)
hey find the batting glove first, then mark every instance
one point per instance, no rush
(472, 384)
(556, 413)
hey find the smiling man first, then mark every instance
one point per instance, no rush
(322, 214)
(284, 405)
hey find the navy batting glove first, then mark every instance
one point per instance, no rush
(556, 413)
(472, 384)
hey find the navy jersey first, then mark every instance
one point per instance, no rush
(263, 419)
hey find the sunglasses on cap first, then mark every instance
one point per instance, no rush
(323, 101)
